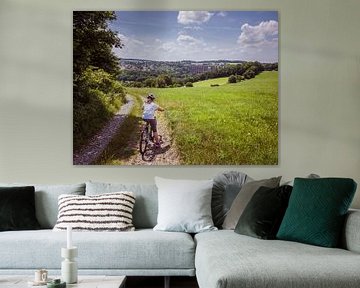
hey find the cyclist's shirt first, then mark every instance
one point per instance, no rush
(149, 110)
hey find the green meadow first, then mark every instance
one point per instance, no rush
(231, 124)
(208, 83)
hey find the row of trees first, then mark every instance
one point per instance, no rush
(236, 72)
(97, 94)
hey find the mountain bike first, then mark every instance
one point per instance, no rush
(146, 137)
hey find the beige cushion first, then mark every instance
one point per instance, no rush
(243, 198)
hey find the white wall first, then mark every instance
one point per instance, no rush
(319, 90)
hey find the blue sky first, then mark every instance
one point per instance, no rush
(198, 35)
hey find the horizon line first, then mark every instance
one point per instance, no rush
(210, 60)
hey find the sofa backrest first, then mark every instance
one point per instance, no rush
(146, 203)
(46, 200)
(351, 236)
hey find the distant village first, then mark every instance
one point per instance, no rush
(162, 74)
(175, 67)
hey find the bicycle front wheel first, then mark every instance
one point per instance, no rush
(143, 143)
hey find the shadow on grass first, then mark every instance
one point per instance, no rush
(151, 152)
(121, 147)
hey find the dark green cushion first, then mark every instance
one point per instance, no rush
(17, 208)
(263, 214)
(316, 211)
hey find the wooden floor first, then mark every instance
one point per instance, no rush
(158, 282)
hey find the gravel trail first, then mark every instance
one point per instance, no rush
(167, 154)
(99, 142)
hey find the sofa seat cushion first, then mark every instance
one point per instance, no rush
(142, 249)
(225, 259)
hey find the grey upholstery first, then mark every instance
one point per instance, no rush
(226, 259)
(140, 250)
(351, 233)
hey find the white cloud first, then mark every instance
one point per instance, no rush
(222, 14)
(183, 47)
(133, 48)
(127, 41)
(196, 28)
(168, 46)
(193, 17)
(186, 40)
(264, 34)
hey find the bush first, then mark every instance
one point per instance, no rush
(189, 84)
(97, 97)
(232, 79)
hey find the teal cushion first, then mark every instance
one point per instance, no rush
(17, 209)
(316, 211)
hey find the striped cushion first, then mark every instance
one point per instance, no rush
(105, 212)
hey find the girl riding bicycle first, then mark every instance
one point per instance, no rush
(149, 109)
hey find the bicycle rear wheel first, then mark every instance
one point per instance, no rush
(143, 142)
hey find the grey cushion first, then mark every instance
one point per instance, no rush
(225, 189)
(144, 249)
(310, 176)
(46, 200)
(243, 198)
(146, 204)
(225, 259)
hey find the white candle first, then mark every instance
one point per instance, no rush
(69, 239)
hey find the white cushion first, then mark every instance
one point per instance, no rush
(184, 205)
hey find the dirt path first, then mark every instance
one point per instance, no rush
(167, 154)
(100, 141)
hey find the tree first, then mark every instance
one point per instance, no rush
(167, 79)
(93, 42)
(232, 79)
(97, 93)
(160, 82)
(189, 84)
(249, 73)
(150, 82)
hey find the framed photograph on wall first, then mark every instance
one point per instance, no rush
(175, 87)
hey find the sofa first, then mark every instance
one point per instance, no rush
(218, 259)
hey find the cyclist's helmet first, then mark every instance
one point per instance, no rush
(151, 96)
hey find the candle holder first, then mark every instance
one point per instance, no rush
(68, 265)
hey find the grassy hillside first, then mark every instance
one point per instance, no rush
(208, 83)
(231, 124)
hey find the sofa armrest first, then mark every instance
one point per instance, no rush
(351, 233)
